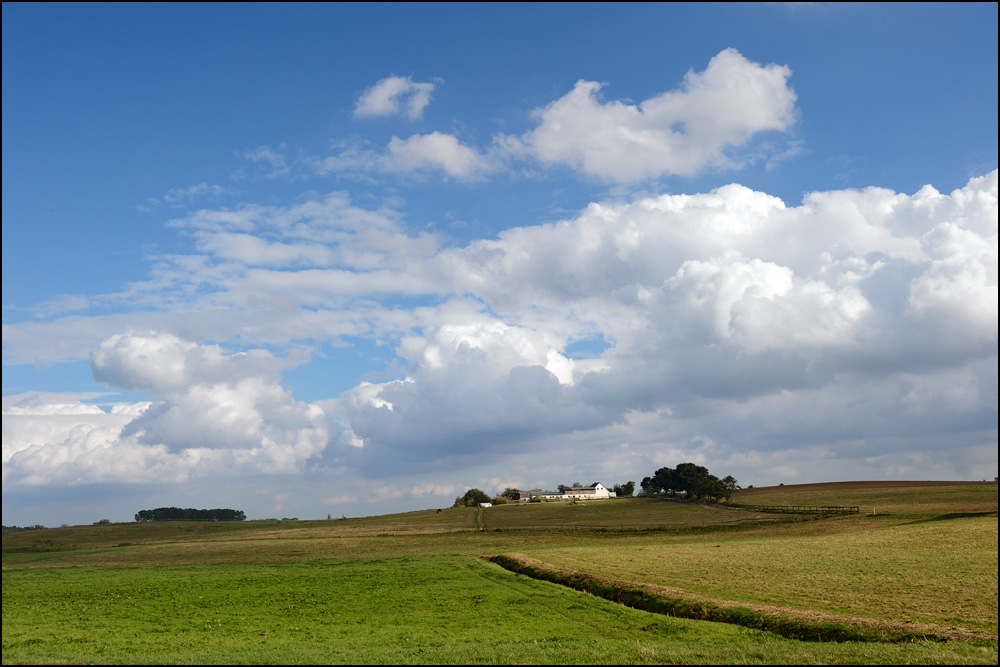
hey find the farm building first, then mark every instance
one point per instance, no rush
(595, 491)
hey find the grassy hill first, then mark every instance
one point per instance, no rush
(416, 587)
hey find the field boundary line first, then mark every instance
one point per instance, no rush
(671, 528)
(799, 509)
(784, 621)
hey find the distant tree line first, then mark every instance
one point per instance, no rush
(694, 481)
(563, 488)
(189, 514)
(21, 529)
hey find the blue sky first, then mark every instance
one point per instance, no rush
(350, 259)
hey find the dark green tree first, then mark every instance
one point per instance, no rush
(624, 490)
(711, 488)
(663, 480)
(730, 484)
(646, 487)
(691, 478)
(511, 493)
(472, 498)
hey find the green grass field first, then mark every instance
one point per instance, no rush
(416, 588)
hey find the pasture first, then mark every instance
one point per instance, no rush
(416, 588)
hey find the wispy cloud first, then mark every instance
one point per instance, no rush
(181, 197)
(272, 163)
(437, 152)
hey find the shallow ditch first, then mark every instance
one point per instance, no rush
(792, 624)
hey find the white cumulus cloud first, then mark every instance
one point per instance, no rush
(386, 96)
(709, 303)
(205, 398)
(437, 150)
(677, 132)
(211, 414)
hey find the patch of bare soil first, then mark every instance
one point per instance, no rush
(928, 630)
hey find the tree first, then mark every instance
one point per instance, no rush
(472, 498)
(712, 488)
(624, 490)
(647, 487)
(730, 484)
(663, 480)
(511, 493)
(691, 478)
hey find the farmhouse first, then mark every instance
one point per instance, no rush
(595, 491)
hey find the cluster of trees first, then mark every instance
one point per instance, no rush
(178, 514)
(473, 497)
(692, 480)
(624, 490)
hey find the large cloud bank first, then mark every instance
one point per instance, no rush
(857, 325)
(859, 316)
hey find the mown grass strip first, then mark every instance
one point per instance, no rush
(645, 598)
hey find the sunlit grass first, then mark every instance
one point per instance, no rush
(624, 514)
(941, 572)
(412, 588)
(884, 498)
(448, 610)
